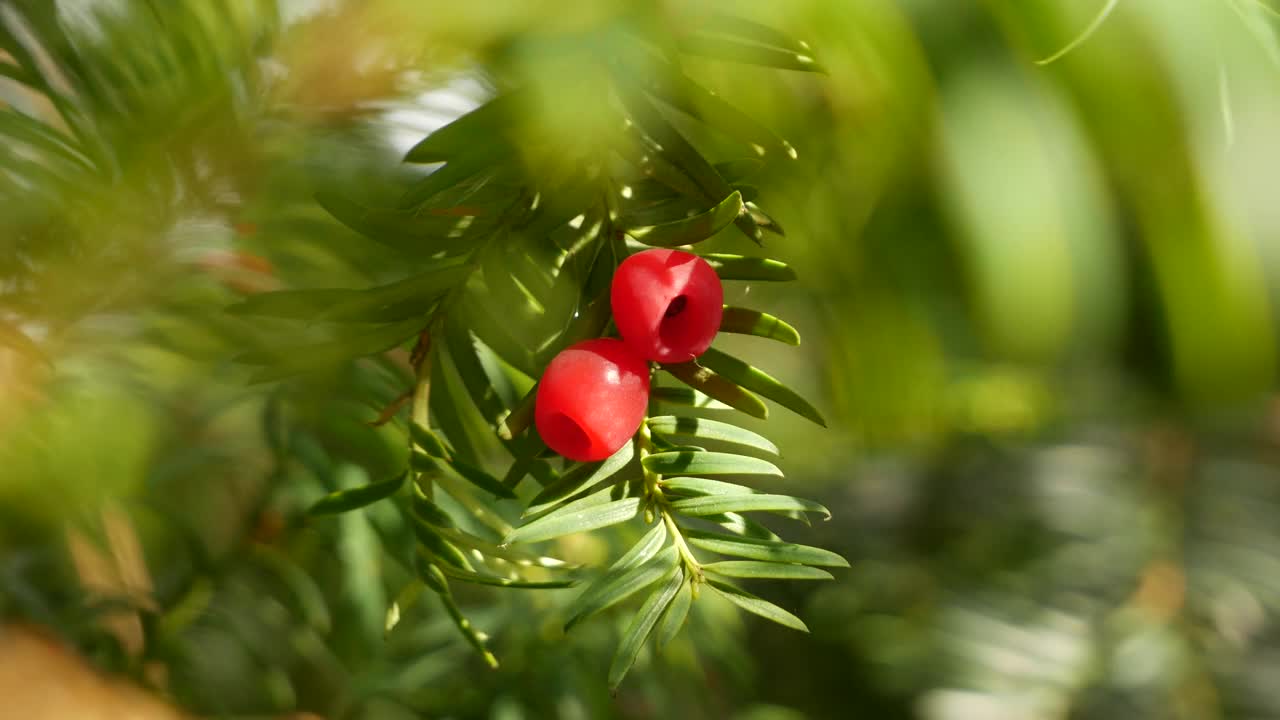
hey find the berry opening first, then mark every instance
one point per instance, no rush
(569, 437)
(676, 307)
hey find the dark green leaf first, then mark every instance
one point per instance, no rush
(753, 502)
(754, 379)
(432, 576)
(641, 625)
(434, 543)
(513, 555)
(753, 322)
(755, 570)
(344, 500)
(708, 463)
(572, 519)
(426, 439)
(745, 267)
(705, 429)
(640, 553)
(618, 584)
(426, 509)
(691, 230)
(479, 127)
(709, 383)
(519, 418)
(760, 549)
(422, 462)
(758, 606)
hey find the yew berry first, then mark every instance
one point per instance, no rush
(667, 304)
(592, 399)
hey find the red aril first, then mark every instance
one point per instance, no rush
(667, 304)
(592, 399)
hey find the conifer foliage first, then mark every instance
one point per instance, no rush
(537, 197)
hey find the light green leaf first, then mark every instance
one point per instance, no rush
(762, 549)
(743, 267)
(701, 486)
(641, 625)
(618, 584)
(677, 612)
(742, 321)
(715, 386)
(758, 606)
(570, 519)
(754, 379)
(342, 501)
(754, 502)
(690, 230)
(581, 478)
(704, 429)
(752, 569)
(708, 463)
(519, 418)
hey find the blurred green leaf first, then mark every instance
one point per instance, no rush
(676, 614)
(341, 501)
(580, 478)
(696, 43)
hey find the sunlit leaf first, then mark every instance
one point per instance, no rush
(753, 322)
(753, 502)
(755, 570)
(760, 549)
(704, 429)
(572, 519)
(756, 380)
(708, 463)
(690, 230)
(746, 267)
(709, 383)
(755, 605)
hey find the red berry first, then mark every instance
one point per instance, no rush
(667, 304)
(592, 399)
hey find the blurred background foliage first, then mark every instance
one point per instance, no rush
(1037, 302)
